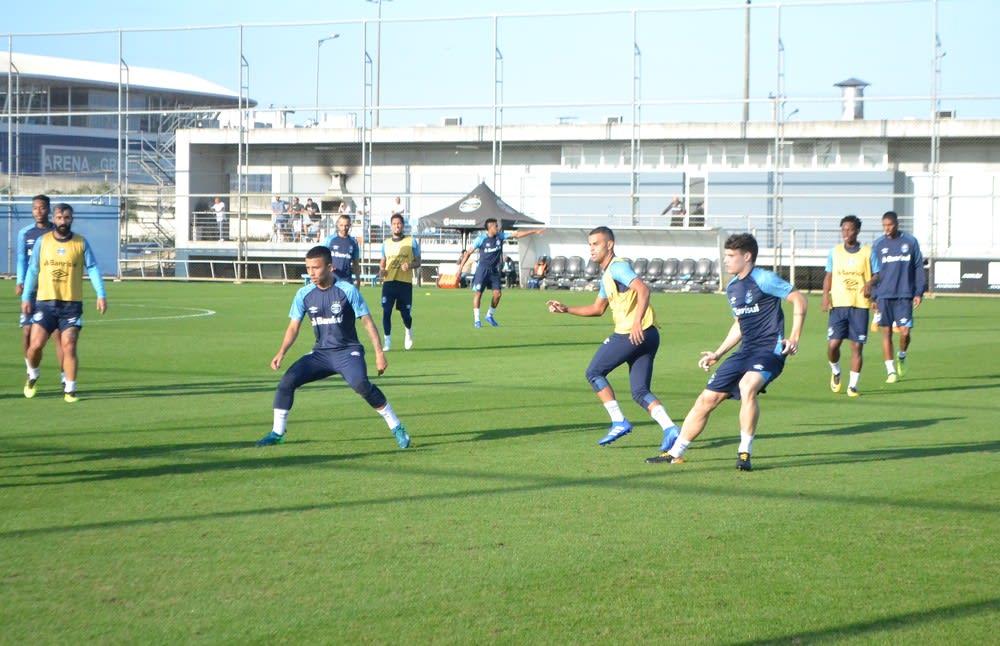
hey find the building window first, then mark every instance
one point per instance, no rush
(874, 154)
(826, 154)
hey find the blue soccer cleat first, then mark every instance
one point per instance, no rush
(271, 439)
(670, 436)
(617, 430)
(478, 324)
(492, 321)
(402, 438)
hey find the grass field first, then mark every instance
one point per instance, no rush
(144, 514)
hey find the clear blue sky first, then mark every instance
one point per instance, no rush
(694, 53)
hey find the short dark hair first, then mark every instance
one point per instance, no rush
(891, 215)
(62, 206)
(744, 243)
(397, 216)
(488, 221)
(319, 251)
(604, 231)
(42, 198)
(853, 219)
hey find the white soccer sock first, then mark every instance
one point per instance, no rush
(855, 377)
(614, 410)
(389, 415)
(490, 312)
(33, 373)
(280, 421)
(475, 314)
(409, 333)
(70, 386)
(388, 342)
(679, 447)
(745, 441)
(835, 367)
(890, 367)
(659, 413)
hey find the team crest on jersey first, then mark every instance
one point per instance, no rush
(61, 251)
(748, 298)
(336, 308)
(905, 248)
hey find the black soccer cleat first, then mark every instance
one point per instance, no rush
(743, 461)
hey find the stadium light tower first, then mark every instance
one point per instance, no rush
(378, 59)
(319, 44)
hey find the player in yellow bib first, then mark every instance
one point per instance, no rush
(846, 290)
(56, 270)
(400, 256)
(635, 339)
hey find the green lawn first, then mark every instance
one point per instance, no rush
(144, 514)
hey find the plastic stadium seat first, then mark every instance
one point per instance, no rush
(556, 270)
(591, 276)
(639, 266)
(574, 272)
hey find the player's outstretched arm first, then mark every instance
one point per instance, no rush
(380, 363)
(597, 308)
(800, 305)
(708, 359)
(291, 333)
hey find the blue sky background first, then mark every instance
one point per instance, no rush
(577, 67)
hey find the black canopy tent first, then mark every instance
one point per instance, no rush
(471, 212)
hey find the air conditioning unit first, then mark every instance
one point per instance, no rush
(612, 120)
(451, 121)
(946, 114)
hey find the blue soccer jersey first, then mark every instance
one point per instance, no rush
(490, 251)
(343, 251)
(900, 267)
(26, 239)
(756, 303)
(333, 313)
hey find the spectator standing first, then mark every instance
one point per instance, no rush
(219, 210)
(676, 211)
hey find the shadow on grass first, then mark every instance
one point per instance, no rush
(880, 627)
(504, 344)
(484, 483)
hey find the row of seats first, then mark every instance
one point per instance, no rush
(661, 274)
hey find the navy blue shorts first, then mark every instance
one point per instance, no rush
(58, 315)
(848, 323)
(727, 377)
(349, 363)
(488, 279)
(24, 320)
(397, 293)
(618, 349)
(895, 312)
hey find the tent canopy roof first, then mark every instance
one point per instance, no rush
(472, 211)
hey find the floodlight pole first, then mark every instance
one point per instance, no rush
(319, 43)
